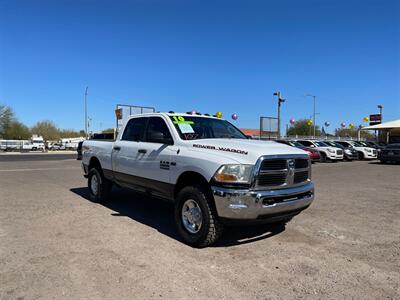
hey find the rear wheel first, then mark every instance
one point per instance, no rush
(99, 186)
(196, 217)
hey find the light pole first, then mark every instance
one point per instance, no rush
(309, 95)
(280, 101)
(380, 106)
(86, 119)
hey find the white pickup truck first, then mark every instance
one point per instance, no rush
(205, 166)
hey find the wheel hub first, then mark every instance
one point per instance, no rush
(94, 185)
(192, 217)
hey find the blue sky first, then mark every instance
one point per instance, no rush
(227, 56)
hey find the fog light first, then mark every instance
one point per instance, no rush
(237, 203)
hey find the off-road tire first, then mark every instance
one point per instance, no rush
(211, 228)
(104, 186)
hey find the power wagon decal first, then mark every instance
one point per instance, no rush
(221, 149)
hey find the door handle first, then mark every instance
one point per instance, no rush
(142, 151)
(117, 148)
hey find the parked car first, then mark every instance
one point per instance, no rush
(363, 151)
(391, 153)
(349, 153)
(326, 151)
(57, 146)
(206, 167)
(312, 153)
(79, 151)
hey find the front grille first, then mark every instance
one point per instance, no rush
(271, 179)
(339, 152)
(273, 164)
(374, 152)
(301, 163)
(282, 172)
(300, 177)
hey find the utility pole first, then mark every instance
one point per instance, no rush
(280, 101)
(86, 119)
(309, 95)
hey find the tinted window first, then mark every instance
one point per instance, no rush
(322, 144)
(156, 126)
(306, 143)
(134, 130)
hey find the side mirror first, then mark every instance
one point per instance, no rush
(158, 137)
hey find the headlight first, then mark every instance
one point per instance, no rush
(234, 173)
(331, 150)
(348, 151)
(368, 150)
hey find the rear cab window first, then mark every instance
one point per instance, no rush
(134, 130)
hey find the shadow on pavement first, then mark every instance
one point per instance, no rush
(159, 215)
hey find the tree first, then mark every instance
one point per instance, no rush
(68, 133)
(47, 129)
(353, 133)
(6, 118)
(108, 130)
(17, 131)
(303, 129)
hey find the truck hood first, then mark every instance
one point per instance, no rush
(241, 150)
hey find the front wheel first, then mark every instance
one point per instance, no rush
(196, 217)
(99, 187)
(361, 156)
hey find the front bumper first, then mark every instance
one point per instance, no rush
(254, 205)
(370, 155)
(351, 156)
(334, 156)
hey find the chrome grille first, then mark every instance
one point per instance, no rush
(301, 163)
(281, 171)
(300, 176)
(271, 179)
(275, 164)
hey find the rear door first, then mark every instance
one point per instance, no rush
(125, 153)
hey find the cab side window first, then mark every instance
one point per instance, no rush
(158, 132)
(134, 130)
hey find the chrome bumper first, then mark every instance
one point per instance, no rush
(252, 205)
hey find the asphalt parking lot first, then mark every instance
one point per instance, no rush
(55, 243)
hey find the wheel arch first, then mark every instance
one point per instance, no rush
(94, 162)
(188, 178)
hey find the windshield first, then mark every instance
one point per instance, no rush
(357, 144)
(296, 144)
(195, 128)
(322, 144)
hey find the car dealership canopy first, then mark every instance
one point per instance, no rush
(386, 125)
(389, 132)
